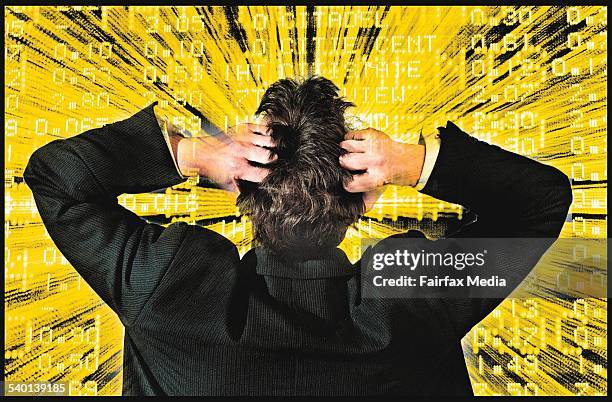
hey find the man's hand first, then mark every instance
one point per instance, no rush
(225, 158)
(377, 160)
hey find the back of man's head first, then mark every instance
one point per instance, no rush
(301, 207)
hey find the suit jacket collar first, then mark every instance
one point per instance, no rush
(329, 263)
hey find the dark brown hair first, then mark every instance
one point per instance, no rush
(301, 207)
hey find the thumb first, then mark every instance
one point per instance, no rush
(370, 197)
(231, 186)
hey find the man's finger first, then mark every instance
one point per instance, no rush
(244, 129)
(361, 183)
(353, 146)
(259, 128)
(259, 140)
(355, 161)
(257, 154)
(358, 134)
(253, 174)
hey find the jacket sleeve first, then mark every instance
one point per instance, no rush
(76, 182)
(512, 197)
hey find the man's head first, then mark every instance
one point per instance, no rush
(302, 207)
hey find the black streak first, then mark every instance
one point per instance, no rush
(235, 29)
(311, 32)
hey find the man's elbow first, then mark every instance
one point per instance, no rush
(560, 194)
(564, 189)
(34, 168)
(42, 164)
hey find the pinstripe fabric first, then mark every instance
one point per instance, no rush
(201, 321)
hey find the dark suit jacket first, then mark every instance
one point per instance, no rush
(200, 320)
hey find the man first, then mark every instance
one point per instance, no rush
(287, 318)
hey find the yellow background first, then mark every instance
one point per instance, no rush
(529, 79)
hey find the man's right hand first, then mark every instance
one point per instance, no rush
(380, 161)
(225, 158)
